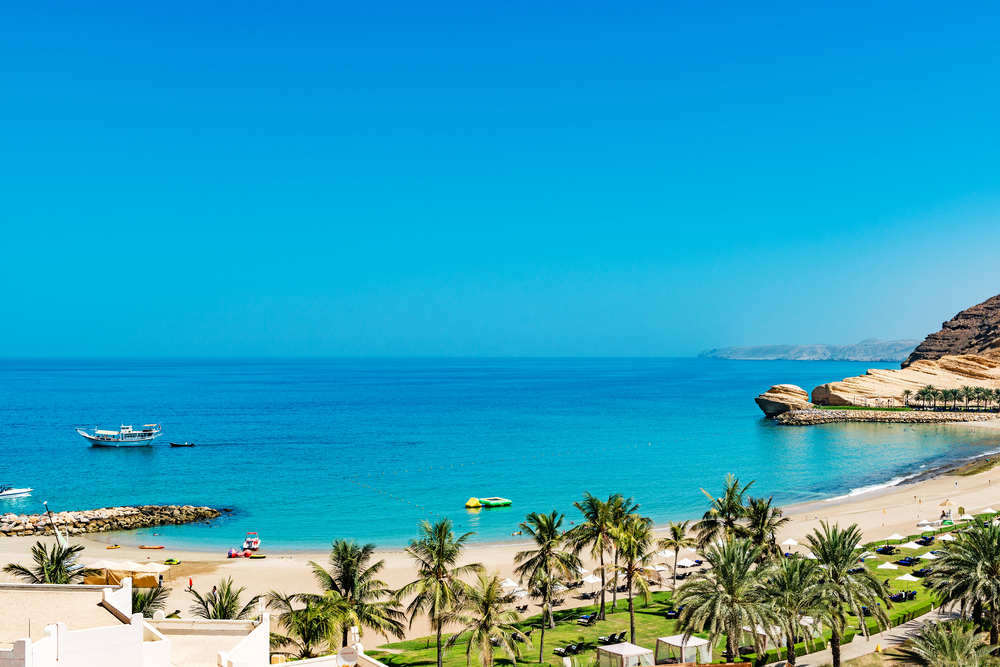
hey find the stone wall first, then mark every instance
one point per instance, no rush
(102, 520)
(810, 417)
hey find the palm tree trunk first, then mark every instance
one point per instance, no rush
(604, 585)
(551, 618)
(614, 593)
(541, 641)
(675, 569)
(790, 654)
(345, 637)
(440, 654)
(631, 609)
(730, 649)
(835, 647)
(977, 615)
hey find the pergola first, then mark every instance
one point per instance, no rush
(624, 655)
(691, 649)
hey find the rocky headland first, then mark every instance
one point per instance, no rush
(870, 349)
(103, 520)
(965, 352)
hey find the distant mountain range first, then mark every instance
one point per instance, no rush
(870, 349)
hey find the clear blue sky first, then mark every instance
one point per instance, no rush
(222, 178)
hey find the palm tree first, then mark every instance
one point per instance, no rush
(369, 599)
(729, 597)
(147, 600)
(546, 564)
(621, 508)
(635, 540)
(58, 566)
(930, 392)
(677, 539)
(845, 588)
(595, 532)
(952, 643)
(723, 517)
(924, 396)
(763, 524)
(438, 589)
(967, 574)
(487, 621)
(309, 629)
(966, 392)
(223, 603)
(794, 588)
(906, 396)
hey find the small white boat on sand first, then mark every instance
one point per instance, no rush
(124, 437)
(10, 492)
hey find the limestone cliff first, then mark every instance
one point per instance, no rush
(782, 398)
(885, 386)
(975, 330)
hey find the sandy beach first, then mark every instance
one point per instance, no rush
(880, 513)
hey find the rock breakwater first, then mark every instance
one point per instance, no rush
(103, 520)
(811, 417)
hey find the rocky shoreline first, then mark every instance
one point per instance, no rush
(104, 519)
(810, 417)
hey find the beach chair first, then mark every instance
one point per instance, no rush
(587, 620)
(569, 650)
(612, 638)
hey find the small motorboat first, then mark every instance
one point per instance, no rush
(7, 491)
(113, 546)
(143, 546)
(182, 444)
(252, 542)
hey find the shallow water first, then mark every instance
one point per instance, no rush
(307, 451)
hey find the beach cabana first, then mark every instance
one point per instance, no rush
(624, 655)
(685, 649)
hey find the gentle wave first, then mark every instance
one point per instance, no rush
(895, 481)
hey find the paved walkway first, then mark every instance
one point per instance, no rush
(862, 646)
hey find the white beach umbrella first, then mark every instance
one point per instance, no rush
(508, 583)
(689, 549)
(559, 588)
(966, 517)
(928, 556)
(907, 577)
(581, 571)
(789, 543)
(666, 553)
(911, 545)
(921, 524)
(947, 537)
(685, 562)
(660, 568)
(887, 566)
(811, 556)
(895, 536)
(106, 565)
(989, 510)
(520, 593)
(591, 579)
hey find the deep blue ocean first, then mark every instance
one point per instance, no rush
(306, 451)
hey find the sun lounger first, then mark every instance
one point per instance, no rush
(587, 620)
(569, 650)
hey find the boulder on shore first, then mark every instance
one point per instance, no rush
(782, 398)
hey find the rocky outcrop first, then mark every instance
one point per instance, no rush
(974, 331)
(102, 520)
(884, 387)
(782, 398)
(813, 416)
(870, 349)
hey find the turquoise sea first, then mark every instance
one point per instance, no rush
(306, 451)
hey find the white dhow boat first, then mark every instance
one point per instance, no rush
(124, 437)
(7, 491)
